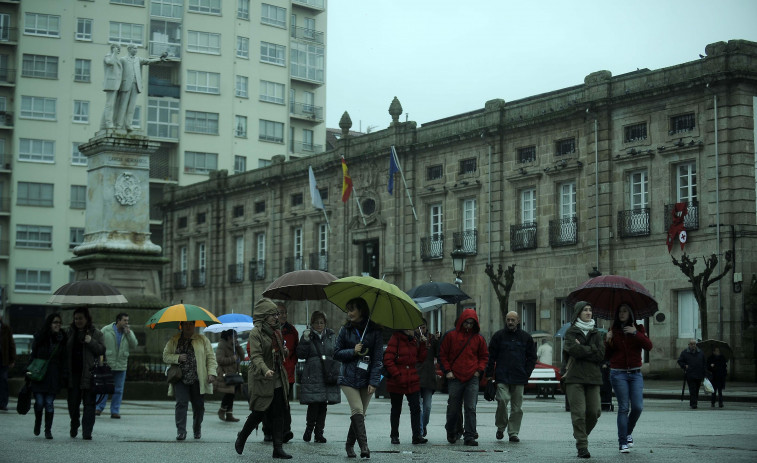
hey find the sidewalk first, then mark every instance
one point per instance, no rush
(671, 389)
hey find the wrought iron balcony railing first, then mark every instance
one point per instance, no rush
(467, 241)
(563, 232)
(690, 221)
(198, 278)
(432, 247)
(236, 273)
(633, 223)
(180, 280)
(523, 236)
(319, 261)
(293, 263)
(257, 270)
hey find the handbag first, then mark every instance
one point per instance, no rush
(37, 369)
(173, 373)
(24, 403)
(491, 390)
(708, 386)
(299, 370)
(331, 368)
(101, 379)
(233, 379)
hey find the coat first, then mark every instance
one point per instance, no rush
(402, 354)
(695, 362)
(7, 345)
(717, 365)
(427, 368)
(350, 375)
(204, 356)
(117, 355)
(624, 350)
(92, 351)
(313, 389)
(291, 338)
(132, 72)
(461, 359)
(262, 359)
(227, 363)
(512, 356)
(56, 375)
(585, 357)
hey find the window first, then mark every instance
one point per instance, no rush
(271, 131)
(126, 33)
(136, 122)
(567, 146)
(243, 47)
(198, 277)
(324, 192)
(42, 24)
(33, 281)
(528, 206)
(77, 159)
(204, 82)
(527, 154)
(568, 200)
(243, 9)
(307, 140)
(307, 61)
(527, 315)
(639, 189)
(323, 247)
(636, 132)
(75, 237)
(240, 164)
(241, 86)
(37, 107)
(34, 150)
(182, 222)
(162, 118)
(272, 53)
(204, 42)
(238, 259)
(201, 122)
(686, 182)
(297, 199)
(129, 2)
(5, 27)
(272, 92)
(205, 6)
(688, 315)
(81, 111)
(469, 215)
(436, 229)
(682, 123)
(34, 236)
(83, 29)
(273, 15)
(183, 266)
(41, 66)
(78, 197)
(35, 194)
(201, 218)
(434, 172)
(167, 8)
(238, 211)
(200, 163)
(260, 207)
(297, 248)
(468, 166)
(263, 163)
(82, 70)
(240, 126)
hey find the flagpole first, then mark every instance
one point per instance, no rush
(402, 174)
(359, 207)
(327, 219)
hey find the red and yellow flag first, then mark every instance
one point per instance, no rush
(346, 182)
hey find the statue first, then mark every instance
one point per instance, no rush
(131, 86)
(113, 70)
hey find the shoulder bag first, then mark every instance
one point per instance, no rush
(173, 373)
(330, 367)
(37, 369)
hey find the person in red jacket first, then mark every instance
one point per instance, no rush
(623, 345)
(403, 352)
(463, 355)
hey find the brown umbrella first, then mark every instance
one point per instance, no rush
(300, 285)
(90, 292)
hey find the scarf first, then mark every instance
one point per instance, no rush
(277, 341)
(585, 327)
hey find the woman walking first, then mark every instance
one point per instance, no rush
(717, 365)
(428, 376)
(403, 352)
(84, 344)
(584, 353)
(359, 347)
(267, 377)
(229, 355)
(49, 343)
(623, 345)
(315, 347)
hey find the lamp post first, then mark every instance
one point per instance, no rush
(458, 268)
(253, 275)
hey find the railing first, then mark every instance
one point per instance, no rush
(198, 278)
(173, 49)
(310, 35)
(5, 204)
(690, 221)
(163, 90)
(299, 147)
(5, 161)
(316, 4)
(523, 236)
(467, 241)
(563, 232)
(292, 263)
(4, 247)
(432, 247)
(236, 273)
(633, 223)
(8, 34)
(7, 75)
(180, 280)
(306, 110)
(257, 270)
(6, 119)
(319, 261)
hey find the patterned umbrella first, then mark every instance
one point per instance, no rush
(87, 292)
(170, 317)
(607, 292)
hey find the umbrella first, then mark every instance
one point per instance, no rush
(300, 285)
(447, 291)
(170, 317)
(540, 334)
(607, 292)
(389, 306)
(429, 303)
(238, 322)
(87, 292)
(709, 345)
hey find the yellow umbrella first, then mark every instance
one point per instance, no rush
(170, 317)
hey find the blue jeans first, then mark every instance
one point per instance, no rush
(466, 394)
(629, 388)
(119, 377)
(427, 396)
(44, 401)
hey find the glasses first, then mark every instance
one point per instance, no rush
(55, 323)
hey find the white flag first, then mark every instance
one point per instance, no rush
(315, 195)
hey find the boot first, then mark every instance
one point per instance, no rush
(320, 424)
(713, 401)
(38, 420)
(222, 413)
(309, 422)
(307, 434)
(49, 424)
(349, 446)
(252, 422)
(358, 422)
(230, 417)
(278, 444)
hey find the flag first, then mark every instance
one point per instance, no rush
(315, 195)
(346, 183)
(677, 228)
(393, 169)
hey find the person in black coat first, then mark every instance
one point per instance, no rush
(717, 365)
(49, 343)
(692, 362)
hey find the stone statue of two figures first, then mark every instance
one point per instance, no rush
(122, 86)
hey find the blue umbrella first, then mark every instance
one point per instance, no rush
(238, 322)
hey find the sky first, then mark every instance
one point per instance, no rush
(441, 57)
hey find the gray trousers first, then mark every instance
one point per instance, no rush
(186, 393)
(585, 408)
(465, 394)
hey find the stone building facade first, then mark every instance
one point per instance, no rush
(564, 184)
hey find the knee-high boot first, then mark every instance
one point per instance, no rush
(49, 424)
(38, 419)
(349, 446)
(320, 424)
(252, 422)
(278, 439)
(309, 422)
(358, 422)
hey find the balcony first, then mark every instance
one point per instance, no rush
(523, 236)
(633, 223)
(306, 111)
(307, 35)
(319, 261)
(163, 88)
(563, 232)
(4, 249)
(7, 76)
(5, 162)
(6, 119)
(257, 270)
(312, 4)
(5, 205)
(299, 147)
(690, 220)
(198, 278)
(236, 273)
(180, 280)
(432, 247)
(8, 34)
(467, 241)
(172, 48)
(292, 263)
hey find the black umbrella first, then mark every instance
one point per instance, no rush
(709, 345)
(447, 291)
(87, 292)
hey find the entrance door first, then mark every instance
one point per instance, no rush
(370, 253)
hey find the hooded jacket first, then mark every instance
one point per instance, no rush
(461, 359)
(262, 359)
(514, 354)
(587, 354)
(624, 350)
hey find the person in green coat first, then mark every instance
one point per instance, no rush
(584, 351)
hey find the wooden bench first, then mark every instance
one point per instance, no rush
(545, 381)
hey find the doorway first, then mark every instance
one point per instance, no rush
(370, 253)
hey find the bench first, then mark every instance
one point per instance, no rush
(545, 381)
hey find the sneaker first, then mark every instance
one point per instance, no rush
(624, 449)
(500, 434)
(514, 438)
(629, 440)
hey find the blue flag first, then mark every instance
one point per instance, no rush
(393, 169)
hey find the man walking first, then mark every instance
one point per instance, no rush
(119, 341)
(694, 367)
(512, 357)
(463, 356)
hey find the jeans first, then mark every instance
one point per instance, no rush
(3, 386)
(185, 393)
(119, 377)
(44, 401)
(427, 396)
(414, 401)
(585, 409)
(629, 390)
(467, 394)
(512, 394)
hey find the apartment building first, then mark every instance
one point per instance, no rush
(244, 81)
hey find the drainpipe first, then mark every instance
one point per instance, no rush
(717, 214)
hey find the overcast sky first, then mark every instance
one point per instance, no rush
(444, 57)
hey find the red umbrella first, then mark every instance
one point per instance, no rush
(607, 292)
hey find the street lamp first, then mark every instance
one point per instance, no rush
(253, 275)
(458, 268)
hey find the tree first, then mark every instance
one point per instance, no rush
(501, 289)
(701, 281)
